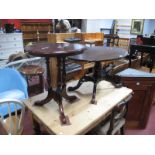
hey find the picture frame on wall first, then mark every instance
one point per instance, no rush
(137, 26)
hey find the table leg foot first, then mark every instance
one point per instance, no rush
(93, 101)
(49, 97)
(115, 80)
(68, 97)
(83, 79)
(42, 102)
(117, 85)
(64, 120)
(77, 86)
(36, 127)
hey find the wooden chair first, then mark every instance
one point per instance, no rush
(93, 38)
(13, 122)
(115, 123)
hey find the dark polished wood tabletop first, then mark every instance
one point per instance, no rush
(100, 53)
(54, 50)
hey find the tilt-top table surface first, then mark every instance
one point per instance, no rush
(101, 53)
(98, 54)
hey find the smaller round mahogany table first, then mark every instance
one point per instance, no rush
(98, 54)
(59, 51)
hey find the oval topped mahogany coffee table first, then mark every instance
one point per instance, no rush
(59, 51)
(98, 54)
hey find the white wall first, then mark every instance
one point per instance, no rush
(94, 25)
(146, 26)
(149, 27)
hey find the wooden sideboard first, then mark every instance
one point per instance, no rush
(35, 32)
(143, 86)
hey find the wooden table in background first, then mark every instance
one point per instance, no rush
(143, 49)
(83, 115)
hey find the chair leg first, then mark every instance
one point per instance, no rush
(41, 83)
(152, 63)
(109, 132)
(122, 130)
(36, 127)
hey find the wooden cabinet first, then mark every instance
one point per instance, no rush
(143, 86)
(10, 43)
(34, 32)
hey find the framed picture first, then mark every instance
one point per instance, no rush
(137, 26)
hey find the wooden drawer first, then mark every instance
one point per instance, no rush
(136, 85)
(7, 45)
(5, 53)
(10, 37)
(10, 43)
